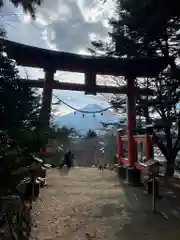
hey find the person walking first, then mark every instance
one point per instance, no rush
(68, 157)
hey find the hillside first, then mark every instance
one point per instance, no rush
(83, 123)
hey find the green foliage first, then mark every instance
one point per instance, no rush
(57, 137)
(151, 29)
(91, 134)
(60, 134)
(29, 6)
(14, 162)
(19, 112)
(139, 131)
(19, 105)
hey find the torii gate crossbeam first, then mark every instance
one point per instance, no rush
(51, 61)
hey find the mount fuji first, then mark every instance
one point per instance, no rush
(82, 123)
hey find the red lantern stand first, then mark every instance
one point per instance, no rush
(126, 165)
(43, 150)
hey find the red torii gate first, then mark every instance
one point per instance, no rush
(51, 61)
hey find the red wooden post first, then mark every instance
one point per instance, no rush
(47, 97)
(131, 108)
(43, 150)
(46, 102)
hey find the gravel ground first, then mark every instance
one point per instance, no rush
(88, 204)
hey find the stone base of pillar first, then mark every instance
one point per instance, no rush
(134, 176)
(122, 172)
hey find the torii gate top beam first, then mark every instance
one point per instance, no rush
(41, 58)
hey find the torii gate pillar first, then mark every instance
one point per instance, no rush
(45, 112)
(133, 175)
(131, 116)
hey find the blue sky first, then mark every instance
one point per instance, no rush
(65, 25)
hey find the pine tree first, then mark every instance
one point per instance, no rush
(19, 104)
(91, 134)
(19, 112)
(29, 6)
(151, 29)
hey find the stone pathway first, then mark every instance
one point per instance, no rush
(88, 204)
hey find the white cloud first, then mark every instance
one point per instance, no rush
(40, 20)
(69, 21)
(25, 18)
(95, 10)
(65, 25)
(83, 52)
(48, 37)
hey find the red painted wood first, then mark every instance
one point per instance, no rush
(29, 56)
(125, 161)
(140, 166)
(137, 139)
(43, 150)
(131, 107)
(140, 139)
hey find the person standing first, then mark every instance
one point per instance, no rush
(68, 159)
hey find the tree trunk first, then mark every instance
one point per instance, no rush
(170, 166)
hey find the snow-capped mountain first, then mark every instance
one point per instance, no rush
(82, 123)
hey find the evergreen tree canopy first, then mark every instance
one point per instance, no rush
(19, 112)
(91, 134)
(29, 6)
(19, 105)
(151, 28)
